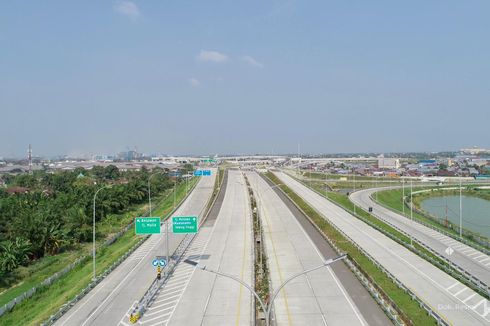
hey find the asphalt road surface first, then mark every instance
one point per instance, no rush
(110, 301)
(224, 243)
(452, 300)
(468, 258)
(316, 298)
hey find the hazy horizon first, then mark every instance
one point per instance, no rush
(259, 76)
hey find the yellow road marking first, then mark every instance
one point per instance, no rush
(237, 321)
(277, 264)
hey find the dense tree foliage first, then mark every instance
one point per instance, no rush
(56, 213)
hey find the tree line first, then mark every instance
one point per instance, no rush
(53, 211)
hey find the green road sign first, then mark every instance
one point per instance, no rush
(147, 225)
(184, 224)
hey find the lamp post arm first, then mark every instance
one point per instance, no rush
(93, 229)
(276, 292)
(263, 306)
(149, 188)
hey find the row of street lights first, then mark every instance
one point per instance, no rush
(149, 203)
(266, 307)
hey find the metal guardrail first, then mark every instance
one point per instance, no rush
(457, 271)
(140, 308)
(51, 279)
(464, 276)
(388, 306)
(102, 276)
(29, 293)
(439, 319)
(91, 285)
(477, 242)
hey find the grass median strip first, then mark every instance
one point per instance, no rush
(404, 302)
(399, 237)
(46, 301)
(392, 200)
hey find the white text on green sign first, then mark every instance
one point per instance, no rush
(147, 225)
(184, 224)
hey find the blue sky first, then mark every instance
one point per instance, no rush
(243, 76)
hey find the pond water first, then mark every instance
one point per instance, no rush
(476, 211)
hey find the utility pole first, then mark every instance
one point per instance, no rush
(460, 209)
(411, 209)
(403, 196)
(354, 176)
(29, 157)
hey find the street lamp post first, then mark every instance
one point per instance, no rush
(166, 221)
(149, 187)
(354, 177)
(403, 196)
(411, 209)
(460, 209)
(266, 308)
(93, 235)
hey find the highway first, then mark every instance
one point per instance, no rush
(468, 258)
(110, 301)
(317, 298)
(452, 300)
(224, 243)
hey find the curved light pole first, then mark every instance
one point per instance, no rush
(267, 308)
(411, 209)
(403, 196)
(354, 177)
(166, 221)
(149, 186)
(93, 237)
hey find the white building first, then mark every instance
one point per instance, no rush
(388, 163)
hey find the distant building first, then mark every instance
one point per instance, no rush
(129, 156)
(475, 151)
(473, 171)
(388, 163)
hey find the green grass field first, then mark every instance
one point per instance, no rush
(404, 302)
(392, 200)
(46, 302)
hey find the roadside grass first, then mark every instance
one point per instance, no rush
(46, 301)
(345, 202)
(403, 301)
(392, 200)
(30, 276)
(337, 182)
(37, 272)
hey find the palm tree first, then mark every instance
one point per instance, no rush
(22, 250)
(8, 259)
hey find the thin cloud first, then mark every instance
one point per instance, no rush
(252, 62)
(194, 82)
(212, 56)
(128, 9)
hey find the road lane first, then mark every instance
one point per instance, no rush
(468, 258)
(317, 298)
(196, 297)
(112, 297)
(451, 299)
